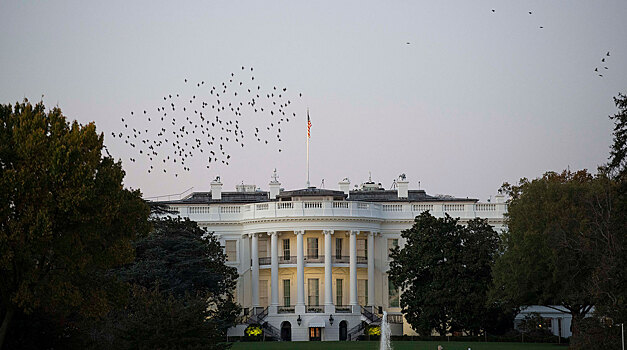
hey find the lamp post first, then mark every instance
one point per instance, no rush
(299, 320)
(331, 320)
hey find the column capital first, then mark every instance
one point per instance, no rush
(328, 232)
(354, 232)
(299, 232)
(374, 233)
(271, 233)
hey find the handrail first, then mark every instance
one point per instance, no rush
(356, 330)
(169, 195)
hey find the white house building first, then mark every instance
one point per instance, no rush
(313, 262)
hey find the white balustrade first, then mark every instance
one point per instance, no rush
(383, 211)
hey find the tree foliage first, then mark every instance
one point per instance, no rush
(181, 292)
(618, 151)
(64, 215)
(444, 270)
(563, 247)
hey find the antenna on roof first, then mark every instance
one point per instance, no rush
(369, 176)
(322, 186)
(394, 185)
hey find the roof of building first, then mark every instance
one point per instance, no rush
(392, 196)
(312, 192)
(358, 195)
(227, 197)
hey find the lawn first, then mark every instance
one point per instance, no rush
(399, 345)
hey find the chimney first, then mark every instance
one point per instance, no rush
(500, 198)
(345, 185)
(275, 185)
(403, 186)
(216, 188)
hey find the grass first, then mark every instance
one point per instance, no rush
(398, 345)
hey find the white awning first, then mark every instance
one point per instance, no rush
(317, 322)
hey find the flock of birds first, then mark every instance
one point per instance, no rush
(530, 13)
(596, 69)
(207, 119)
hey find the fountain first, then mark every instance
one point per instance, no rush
(385, 333)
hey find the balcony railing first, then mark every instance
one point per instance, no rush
(398, 319)
(220, 212)
(314, 309)
(286, 309)
(317, 258)
(312, 259)
(345, 259)
(343, 309)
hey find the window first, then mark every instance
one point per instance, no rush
(362, 292)
(339, 294)
(392, 243)
(286, 249)
(361, 248)
(313, 297)
(338, 249)
(286, 293)
(312, 248)
(263, 248)
(230, 248)
(263, 293)
(393, 294)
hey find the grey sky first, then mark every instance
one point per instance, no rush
(475, 99)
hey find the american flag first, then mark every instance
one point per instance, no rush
(308, 126)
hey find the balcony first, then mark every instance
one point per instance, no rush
(343, 309)
(345, 259)
(314, 309)
(312, 259)
(315, 258)
(367, 210)
(286, 309)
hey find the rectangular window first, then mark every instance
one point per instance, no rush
(362, 292)
(392, 243)
(338, 248)
(230, 248)
(263, 293)
(263, 248)
(361, 248)
(393, 294)
(286, 293)
(339, 293)
(312, 248)
(313, 296)
(286, 249)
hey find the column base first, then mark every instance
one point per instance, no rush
(273, 309)
(329, 309)
(299, 309)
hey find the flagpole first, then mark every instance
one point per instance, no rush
(307, 147)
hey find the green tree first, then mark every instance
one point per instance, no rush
(64, 215)
(444, 270)
(181, 295)
(618, 151)
(548, 257)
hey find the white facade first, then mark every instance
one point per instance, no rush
(310, 256)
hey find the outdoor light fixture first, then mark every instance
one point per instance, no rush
(331, 320)
(299, 320)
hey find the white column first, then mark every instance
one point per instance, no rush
(300, 273)
(328, 274)
(274, 271)
(254, 253)
(353, 270)
(371, 300)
